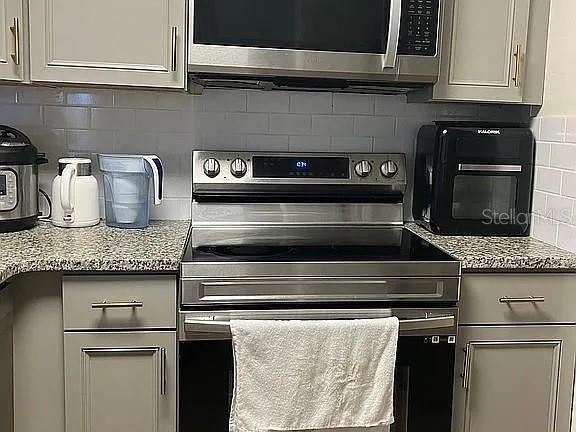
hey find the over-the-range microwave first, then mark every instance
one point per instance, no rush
(322, 44)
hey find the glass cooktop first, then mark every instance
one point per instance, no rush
(407, 246)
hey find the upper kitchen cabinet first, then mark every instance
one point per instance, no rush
(110, 42)
(492, 51)
(11, 40)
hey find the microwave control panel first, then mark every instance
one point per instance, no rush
(8, 190)
(419, 27)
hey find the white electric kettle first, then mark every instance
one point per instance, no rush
(75, 201)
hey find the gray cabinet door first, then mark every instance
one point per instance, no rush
(128, 42)
(119, 382)
(483, 50)
(514, 379)
(11, 40)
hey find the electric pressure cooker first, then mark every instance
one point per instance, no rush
(19, 161)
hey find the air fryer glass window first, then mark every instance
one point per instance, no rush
(2, 185)
(319, 25)
(491, 198)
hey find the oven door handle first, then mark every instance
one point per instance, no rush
(490, 167)
(213, 325)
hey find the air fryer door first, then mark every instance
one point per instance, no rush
(484, 181)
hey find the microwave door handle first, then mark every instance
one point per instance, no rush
(389, 59)
(223, 327)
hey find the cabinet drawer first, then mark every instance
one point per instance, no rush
(112, 302)
(518, 298)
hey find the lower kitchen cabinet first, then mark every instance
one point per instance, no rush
(514, 378)
(120, 382)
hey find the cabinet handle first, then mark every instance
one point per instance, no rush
(15, 29)
(116, 305)
(529, 299)
(518, 68)
(162, 371)
(466, 373)
(174, 48)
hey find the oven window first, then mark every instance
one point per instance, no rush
(423, 385)
(484, 197)
(359, 26)
(2, 185)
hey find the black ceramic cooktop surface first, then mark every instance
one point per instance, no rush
(406, 247)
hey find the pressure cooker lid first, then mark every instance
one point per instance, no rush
(16, 148)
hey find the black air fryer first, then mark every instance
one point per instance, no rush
(474, 178)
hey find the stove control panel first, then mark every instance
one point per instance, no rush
(8, 190)
(298, 168)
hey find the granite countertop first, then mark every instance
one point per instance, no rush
(500, 253)
(157, 248)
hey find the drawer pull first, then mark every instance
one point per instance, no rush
(117, 305)
(529, 299)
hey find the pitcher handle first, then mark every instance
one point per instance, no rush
(68, 175)
(158, 177)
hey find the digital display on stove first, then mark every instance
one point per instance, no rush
(294, 167)
(2, 185)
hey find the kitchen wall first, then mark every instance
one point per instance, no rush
(87, 121)
(555, 128)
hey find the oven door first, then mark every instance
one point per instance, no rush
(424, 366)
(295, 37)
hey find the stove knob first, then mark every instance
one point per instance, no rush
(363, 168)
(211, 167)
(389, 169)
(238, 168)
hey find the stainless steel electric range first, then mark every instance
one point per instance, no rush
(311, 236)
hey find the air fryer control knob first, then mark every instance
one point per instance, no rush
(211, 167)
(363, 168)
(389, 169)
(238, 168)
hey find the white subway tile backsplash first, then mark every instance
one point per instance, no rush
(552, 129)
(309, 143)
(290, 124)
(543, 150)
(135, 99)
(102, 98)
(101, 141)
(548, 180)
(371, 126)
(268, 101)
(355, 144)
(539, 203)
(544, 229)
(21, 115)
(246, 123)
(345, 103)
(135, 142)
(40, 95)
(566, 237)
(171, 124)
(311, 103)
(569, 184)
(67, 117)
(559, 208)
(224, 100)
(563, 156)
(267, 142)
(112, 118)
(570, 130)
(333, 125)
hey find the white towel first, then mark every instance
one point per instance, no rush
(313, 375)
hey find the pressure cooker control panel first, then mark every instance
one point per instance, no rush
(8, 190)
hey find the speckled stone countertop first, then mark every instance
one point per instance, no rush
(500, 253)
(47, 248)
